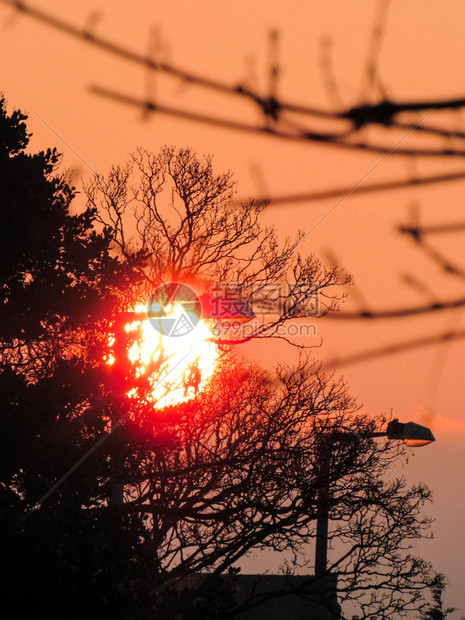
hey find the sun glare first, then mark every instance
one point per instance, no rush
(177, 367)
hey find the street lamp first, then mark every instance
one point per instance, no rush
(414, 435)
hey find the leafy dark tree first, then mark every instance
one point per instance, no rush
(59, 290)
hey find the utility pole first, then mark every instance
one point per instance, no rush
(323, 461)
(119, 384)
(324, 585)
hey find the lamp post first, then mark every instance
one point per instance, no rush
(414, 435)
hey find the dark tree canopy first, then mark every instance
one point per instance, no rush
(60, 287)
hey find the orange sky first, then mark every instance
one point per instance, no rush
(48, 74)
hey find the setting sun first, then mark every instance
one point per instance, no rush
(179, 366)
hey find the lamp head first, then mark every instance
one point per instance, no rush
(414, 435)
